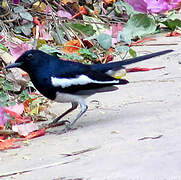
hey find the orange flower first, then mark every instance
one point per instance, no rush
(72, 46)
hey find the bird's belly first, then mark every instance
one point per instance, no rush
(64, 97)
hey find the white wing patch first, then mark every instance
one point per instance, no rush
(80, 80)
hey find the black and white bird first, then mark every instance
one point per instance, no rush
(71, 82)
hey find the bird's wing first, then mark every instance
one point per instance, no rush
(78, 77)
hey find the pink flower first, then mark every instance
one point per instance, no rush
(3, 118)
(154, 6)
(138, 5)
(16, 1)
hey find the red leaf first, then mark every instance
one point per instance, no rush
(173, 33)
(141, 41)
(18, 118)
(8, 144)
(34, 134)
(137, 69)
(2, 137)
(36, 21)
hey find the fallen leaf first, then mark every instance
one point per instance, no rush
(8, 144)
(18, 49)
(115, 29)
(18, 80)
(18, 108)
(18, 119)
(39, 6)
(173, 33)
(3, 118)
(25, 129)
(64, 14)
(72, 46)
(69, 1)
(34, 134)
(6, 57)
(137, 69)
(141, 41)
(2, 138)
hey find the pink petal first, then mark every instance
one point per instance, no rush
(62, 13)
(18, 108)
(25, 129)
(3, 118)
(115, 29)
(138, 5)
(17, 50)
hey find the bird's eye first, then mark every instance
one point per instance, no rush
(30, 56)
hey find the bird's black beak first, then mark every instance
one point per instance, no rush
(13, 65)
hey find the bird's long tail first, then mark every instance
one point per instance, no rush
(118, 65)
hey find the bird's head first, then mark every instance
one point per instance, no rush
(28, 60)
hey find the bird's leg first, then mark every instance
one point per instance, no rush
(74, 106)
(84, 108)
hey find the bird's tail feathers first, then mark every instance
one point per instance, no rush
(114, 66)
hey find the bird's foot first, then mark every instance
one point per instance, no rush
(60, 123)
(66, 129)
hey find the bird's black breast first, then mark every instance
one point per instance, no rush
(42, 82)
(41, 76)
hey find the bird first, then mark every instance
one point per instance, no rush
(72, 82)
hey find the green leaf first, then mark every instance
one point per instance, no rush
(8, 86)
(24, 96)
(19, 9)
(84, 28)
(96, 23)
(172, 24)
(122, 49)
(129, 9)
(87, 54)
(124, 36)
(26, 15)
(3, 48)
(72, 56)
(59, 39)
(104, 40)
(132, 53)
(11, 103)
(27, 28)
(29, 1)
(139, 25)
(3, 97)
(49, 49)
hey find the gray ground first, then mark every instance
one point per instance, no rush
(131, 134)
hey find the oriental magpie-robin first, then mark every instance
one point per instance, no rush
(66, 81)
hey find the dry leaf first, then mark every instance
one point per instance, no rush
(7, 58)
(72, 46)
(25, 129)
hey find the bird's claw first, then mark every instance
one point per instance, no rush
(60, 123)
(66, 129)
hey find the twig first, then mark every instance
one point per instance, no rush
(36, 37)
(61, 123)
(7, 132)
(11, 173)
(164, 44)
(77, 37)
(149, 137)
(81, 152)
